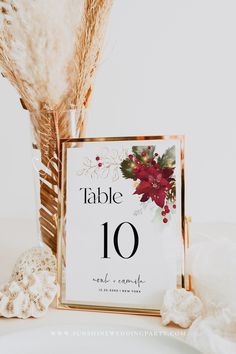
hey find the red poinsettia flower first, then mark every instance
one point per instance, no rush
(154, 183)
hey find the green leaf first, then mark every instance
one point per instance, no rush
(171, 194)
(138, 150)
(168, 158)
(127, 167)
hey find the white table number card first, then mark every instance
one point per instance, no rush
(121, 243)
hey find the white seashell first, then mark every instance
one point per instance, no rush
(32, 287)
(29, 297)
(34, 260)
(180, 307)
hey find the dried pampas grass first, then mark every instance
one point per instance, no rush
(88, 47)
(37, 42)
(49, 51)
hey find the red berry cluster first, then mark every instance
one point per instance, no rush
(139, 165)
(98, 158)
(165, 213)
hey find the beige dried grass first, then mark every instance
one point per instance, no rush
(49, 51)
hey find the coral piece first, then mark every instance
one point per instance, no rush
(180, 307)
(29, 297)
(35, 260)
(32, 286)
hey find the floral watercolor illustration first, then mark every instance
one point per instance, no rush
(153, 174)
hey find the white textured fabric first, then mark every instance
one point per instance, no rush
(212, 264)
(214, 334)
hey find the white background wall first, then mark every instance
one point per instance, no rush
(169, 66)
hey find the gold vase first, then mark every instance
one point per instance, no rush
(48, 127)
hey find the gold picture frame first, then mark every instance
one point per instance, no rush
(183, 279)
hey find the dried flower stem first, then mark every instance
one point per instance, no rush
(49, 51)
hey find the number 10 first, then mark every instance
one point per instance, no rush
(116, 240)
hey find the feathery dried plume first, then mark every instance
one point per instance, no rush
(49, 50)
(37, 41)
(88, 48)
